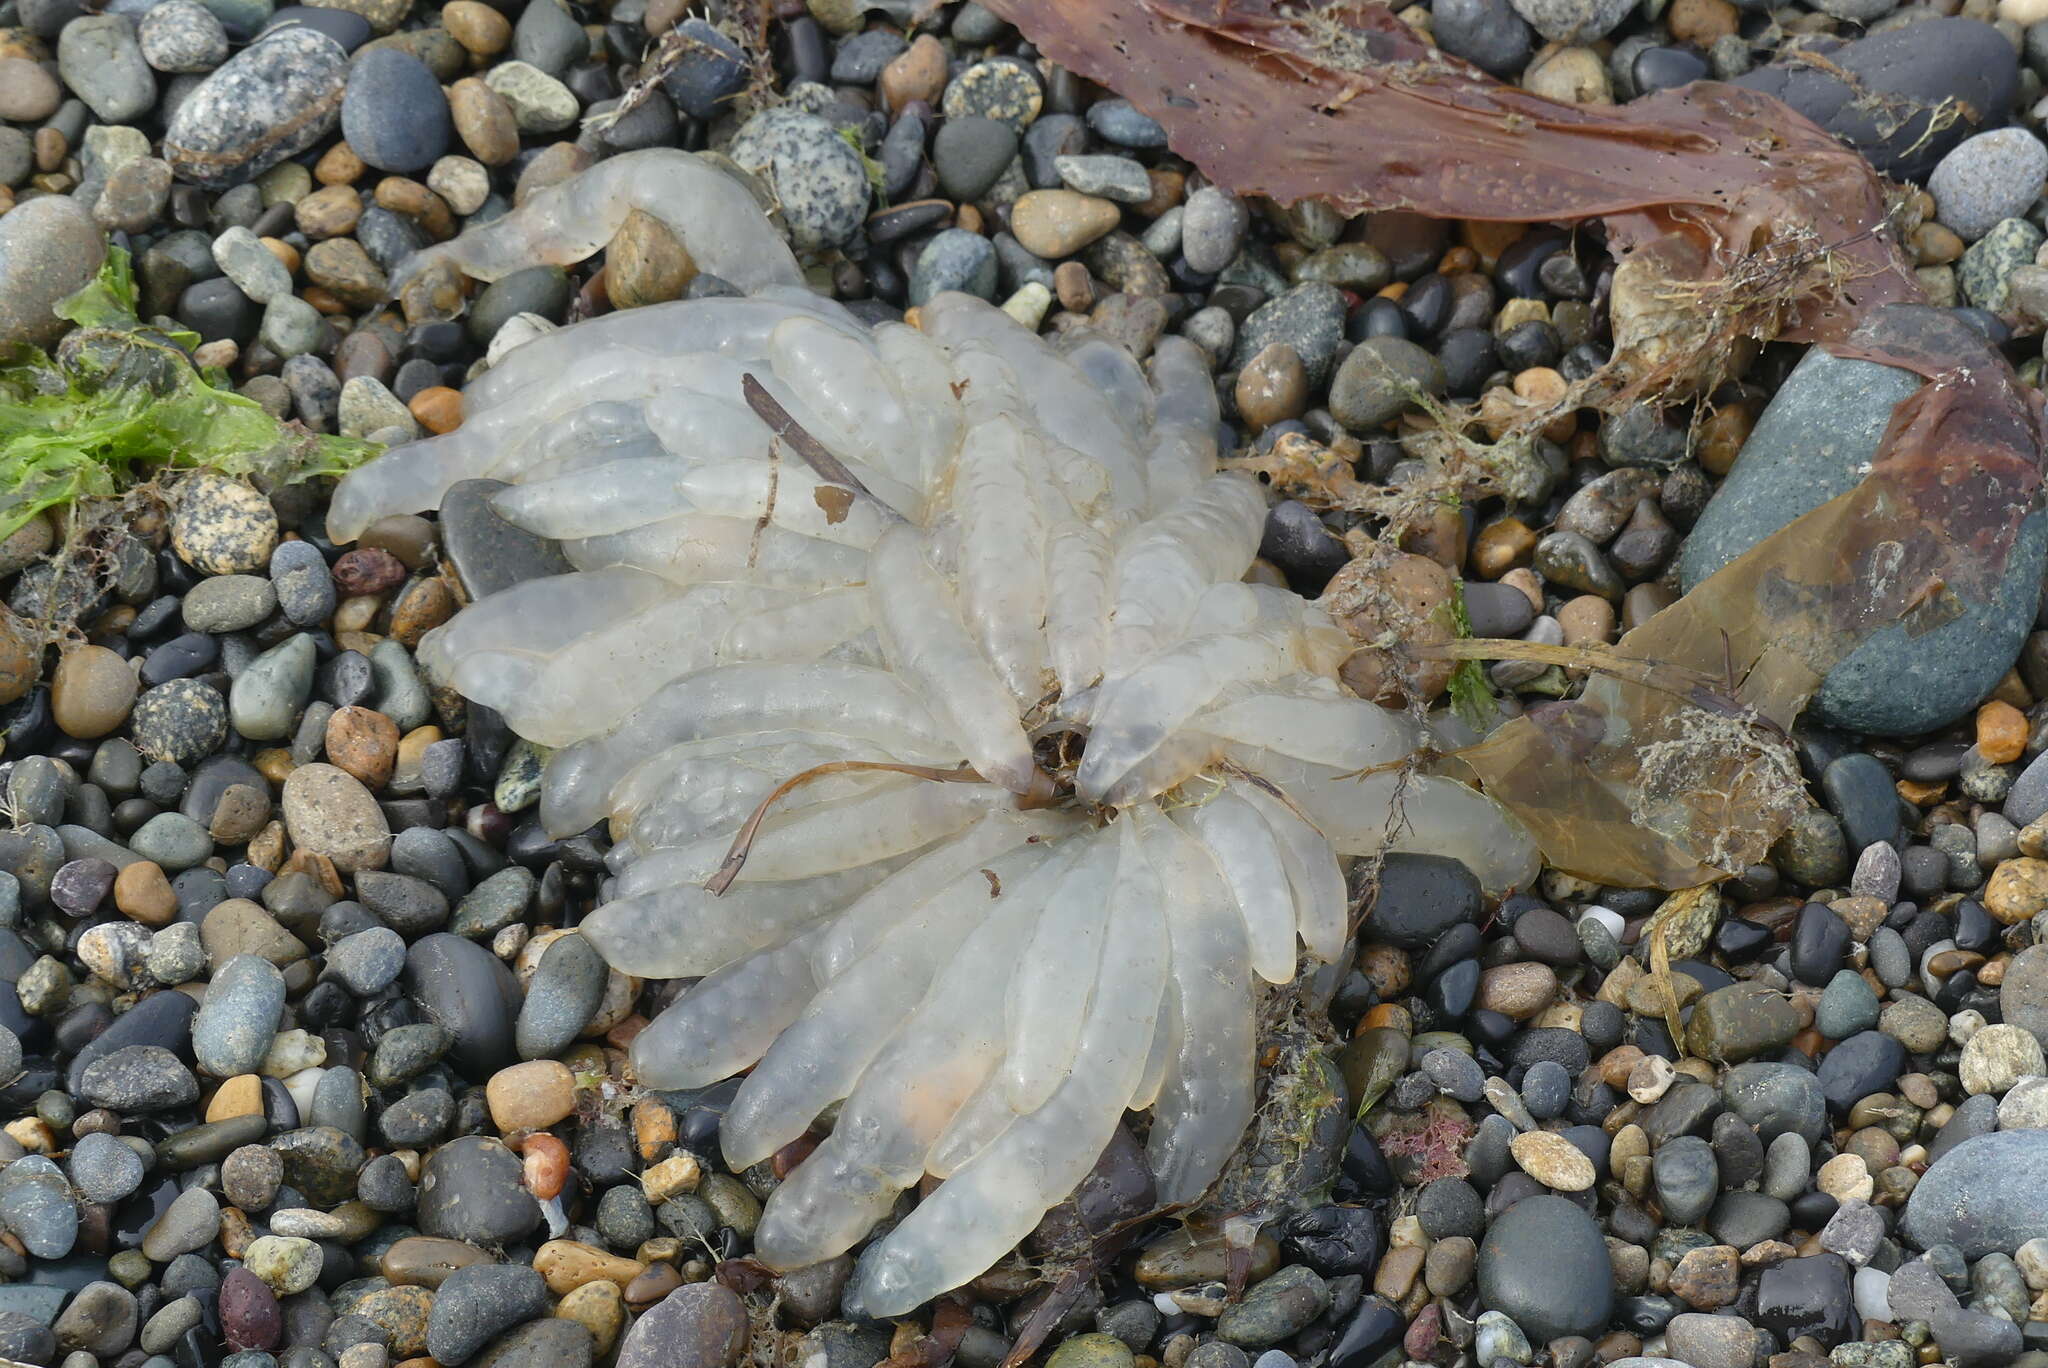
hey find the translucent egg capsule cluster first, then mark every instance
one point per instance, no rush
(1126, 781)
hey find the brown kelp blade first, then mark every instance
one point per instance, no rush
(1706, 192)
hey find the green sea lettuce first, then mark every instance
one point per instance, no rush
(121, 400)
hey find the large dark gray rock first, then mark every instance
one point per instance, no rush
(471, 1190)
(1544, 1265)
(489, 553)
(467, 990)
(1917, 92)
(1989, 1193)
(1815, 441)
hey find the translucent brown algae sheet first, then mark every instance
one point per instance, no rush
(1752, 223)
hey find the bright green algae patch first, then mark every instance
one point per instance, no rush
(122, 400)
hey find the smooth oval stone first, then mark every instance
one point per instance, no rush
(1867, 1062)
(1421, 897)
(209, 1143)
(1989, 1193)
(1776, 1099)
(393, 112)
(1544, 1265)
(36, 1204)
(1809, 1296)
(470, 1190)
(272, 689)
(703, 1324)
(237, 1021)
(273, 100)
(469, 991)
(561, 998)
(49, 248)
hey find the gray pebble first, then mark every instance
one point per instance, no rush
(181, 36)
(561, 998)
(238, 1020)
(267, 696)
(138, 1078)
(304, 587)
(229, 603)
(1986, 179)
(368, 961)
(173, 840)
(105, 1168)
(100, 62)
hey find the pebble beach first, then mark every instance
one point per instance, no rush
(304, 1063)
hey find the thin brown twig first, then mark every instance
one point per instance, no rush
(736, 855)
(828, 467)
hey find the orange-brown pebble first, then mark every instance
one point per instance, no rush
(143, 893)
(403, 195)
(1272, 387)
(1615, 1066)
(2001, 732)
(1488, 240)
(1391, 1015)
(530, 1096)
(1935, 244)
(917, 73)
(283, 251)
(544, 1165)
(1587, 620)
(796, 1151)
(1168, 187)
(568, 1264)
(427, 1260)
(1721, 437)
(478, 27)
(331, 211)
(33, 1134)
(651, 1286)
(1386, 968)
(1397, 1272)
(51, 148)
(1700, 22)
(1518, 991)
(339, 165)
(364, 742)
(1502, 545)
(678, 1173)
(1524, 579)
(1922, 792)
(1074, 286)
(92, 691)
(437, 408)
(654, 1128)
(241, 1095)
(1540, 385)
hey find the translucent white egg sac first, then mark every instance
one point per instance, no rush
(1043, 584)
